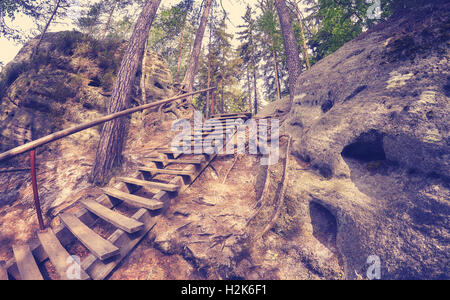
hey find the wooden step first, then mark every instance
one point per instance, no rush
(58, 255)
(150, 184)
(186, 161)
(217, 129)
(3, 273)
(99, 247)
(181, 161)
(154, 171)
(231, 117)
(120, 221)
(199, 134)
(133, 200)
(28, 268)
(231, 114)
(174, 153)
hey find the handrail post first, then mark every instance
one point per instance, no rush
(37, 203)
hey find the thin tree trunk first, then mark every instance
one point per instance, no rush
(180, 52)
(222, 105)
(249, 90)
(108, 22)
(113, 135)
(302, 34)
(47, 25)
(255, 89)
(208, 95)
(277, 73)
(291, 47)
(193, 63)
(143, 77)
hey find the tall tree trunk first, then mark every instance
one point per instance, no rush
(302, 34)
(193, 63)
(143, 77)
(255, 88)
(277, 73)
(208, 95)
(108, 22)
(249, 91)
(47, 25)
(222, 100)
(113, 135)
(180, 52)
(291, 47)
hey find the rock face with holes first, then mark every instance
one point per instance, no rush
(372, 121)
(68, 83)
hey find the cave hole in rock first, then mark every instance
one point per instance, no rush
(158, 85)
(324, 225)
(95, 82)
(367, 147)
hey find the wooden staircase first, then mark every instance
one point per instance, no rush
(106, 253)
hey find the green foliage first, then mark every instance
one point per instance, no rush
(223, 63)
(340, 23)
(90, 19)
(66, 42)
(271, 49)
(166, 32)
(10, 74)
(9, 9)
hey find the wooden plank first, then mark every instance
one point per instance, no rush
(99, 270)
(3, 273)
(154, 171)
(216, 129)
(26, 263)
(186, 161)
(198, 134)
(231, 114)
(134, 200)
(120, 221)
(231, 117)
(150, 184)
(58, 255)
(91, 240)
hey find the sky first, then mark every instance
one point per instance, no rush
(8, 49)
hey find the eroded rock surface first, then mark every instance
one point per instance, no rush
(372, 120)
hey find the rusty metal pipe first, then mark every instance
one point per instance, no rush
(37, 203)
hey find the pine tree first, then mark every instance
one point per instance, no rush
(112, 138)
(248, 53)
(290, 45)
(196, 50)
(271, 49)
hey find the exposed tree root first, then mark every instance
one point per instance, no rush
(229, 170)
(280, 200)
(261, 200)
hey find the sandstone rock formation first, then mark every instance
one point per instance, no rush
(68, 83)
(372, 120)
